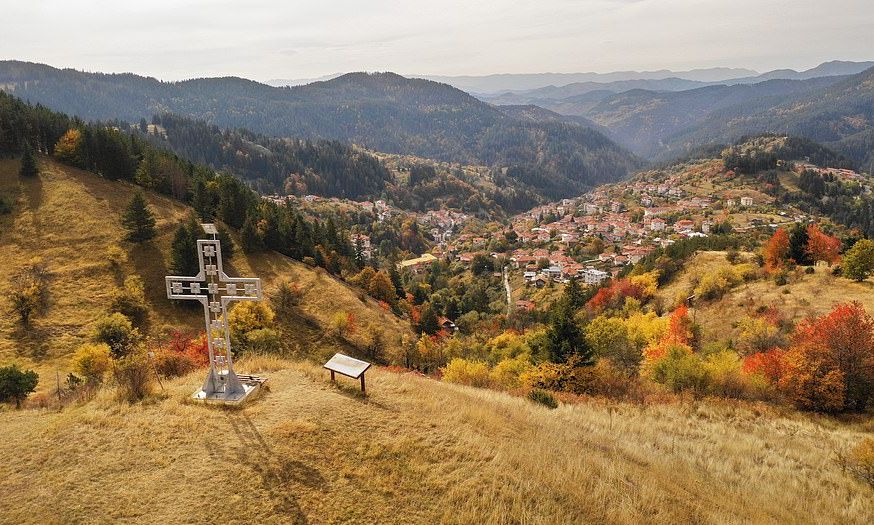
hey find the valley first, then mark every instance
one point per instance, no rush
(635, 297)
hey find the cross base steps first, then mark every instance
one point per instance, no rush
(251, 389)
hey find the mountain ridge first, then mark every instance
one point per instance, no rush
(382, 112)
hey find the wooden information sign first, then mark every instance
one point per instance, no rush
(348, 366)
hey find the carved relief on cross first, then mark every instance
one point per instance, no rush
(215, 290)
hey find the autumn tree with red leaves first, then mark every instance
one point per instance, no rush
(776, 250)
(613, 296)
(830, 365)
(768, 364)
(822, 246)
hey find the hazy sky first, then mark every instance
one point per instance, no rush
(266, 39)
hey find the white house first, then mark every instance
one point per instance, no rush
(593, 276)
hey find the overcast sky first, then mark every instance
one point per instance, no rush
(267, 39)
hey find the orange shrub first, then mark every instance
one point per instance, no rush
(613, 296)
(172, 364)
(768, 364)
(680, 333)
(181, 354)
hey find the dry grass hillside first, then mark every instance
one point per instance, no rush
(421, 451)
(67, 218)
(810, 295)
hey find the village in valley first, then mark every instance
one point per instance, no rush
(528, 264)
(596, 236)
(593, 237)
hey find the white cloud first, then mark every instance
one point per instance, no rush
(265, 39)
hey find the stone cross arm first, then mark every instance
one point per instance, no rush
(211, 283)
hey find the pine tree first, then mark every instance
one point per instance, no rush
(29, 167)
(138, 219)
(183, 251)
(224, 236)
(798, 246)
(200, 200)
(428, 322)
(395, 276)
(250, 241)
(564, 336)
(574, 295)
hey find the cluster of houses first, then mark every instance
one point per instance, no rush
(442, 224)
(541, 266)
(632, 219)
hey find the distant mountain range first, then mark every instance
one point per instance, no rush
(647, 120)
(288, 82)
(553, 95)
(383, 112)
(517, 82)
(555, 141)
(839, 115)
(491, 85)
(484, 84)
(658, 119)
(546, 85)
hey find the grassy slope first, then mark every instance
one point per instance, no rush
(67, 218)
(812, 295)
(420, 451)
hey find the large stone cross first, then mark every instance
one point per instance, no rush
(215, 290)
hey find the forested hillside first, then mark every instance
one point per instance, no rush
(831, 104)
(275, 165)
(645, 120)
(383, 112)
(840, 115)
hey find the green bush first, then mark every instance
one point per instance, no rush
(5, 205)
(16, 384)
(543, 397)
(715, 284)
(782, 278)
(858, 262)
(263, 341)
(286, 297)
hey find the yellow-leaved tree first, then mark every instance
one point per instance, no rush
(68, 149)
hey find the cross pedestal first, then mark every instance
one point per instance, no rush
(215, 290)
